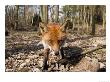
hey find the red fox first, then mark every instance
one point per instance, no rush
(53, 37)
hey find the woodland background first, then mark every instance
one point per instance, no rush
(85, 47)
(83, 18)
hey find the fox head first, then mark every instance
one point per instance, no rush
(53, 36)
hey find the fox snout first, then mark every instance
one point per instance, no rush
(56, 52)
(55, 49)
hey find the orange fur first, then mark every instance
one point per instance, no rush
(54, 37)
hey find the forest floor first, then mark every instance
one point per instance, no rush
(82, 52)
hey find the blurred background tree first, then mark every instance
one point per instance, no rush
(89, 19)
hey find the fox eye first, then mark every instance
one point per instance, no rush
(60, 40)
(49, 41)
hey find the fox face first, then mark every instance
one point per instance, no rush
(53, 37)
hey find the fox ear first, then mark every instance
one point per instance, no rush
(43, 27)
(63, 26)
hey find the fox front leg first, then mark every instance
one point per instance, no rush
(61, 56)
(46, 54)
(61, 53)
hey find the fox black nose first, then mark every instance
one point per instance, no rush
(57, 53)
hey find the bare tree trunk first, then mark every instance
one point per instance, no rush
(81, 18)
(56, 13)
(16, 19)
(93, 21)
(104, 17)
(84, 13)
(6, 17)
(52, 13)
(87, 20)
(78, 18)
(25, 14)
(44, 13)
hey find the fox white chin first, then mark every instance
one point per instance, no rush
(46, 46)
